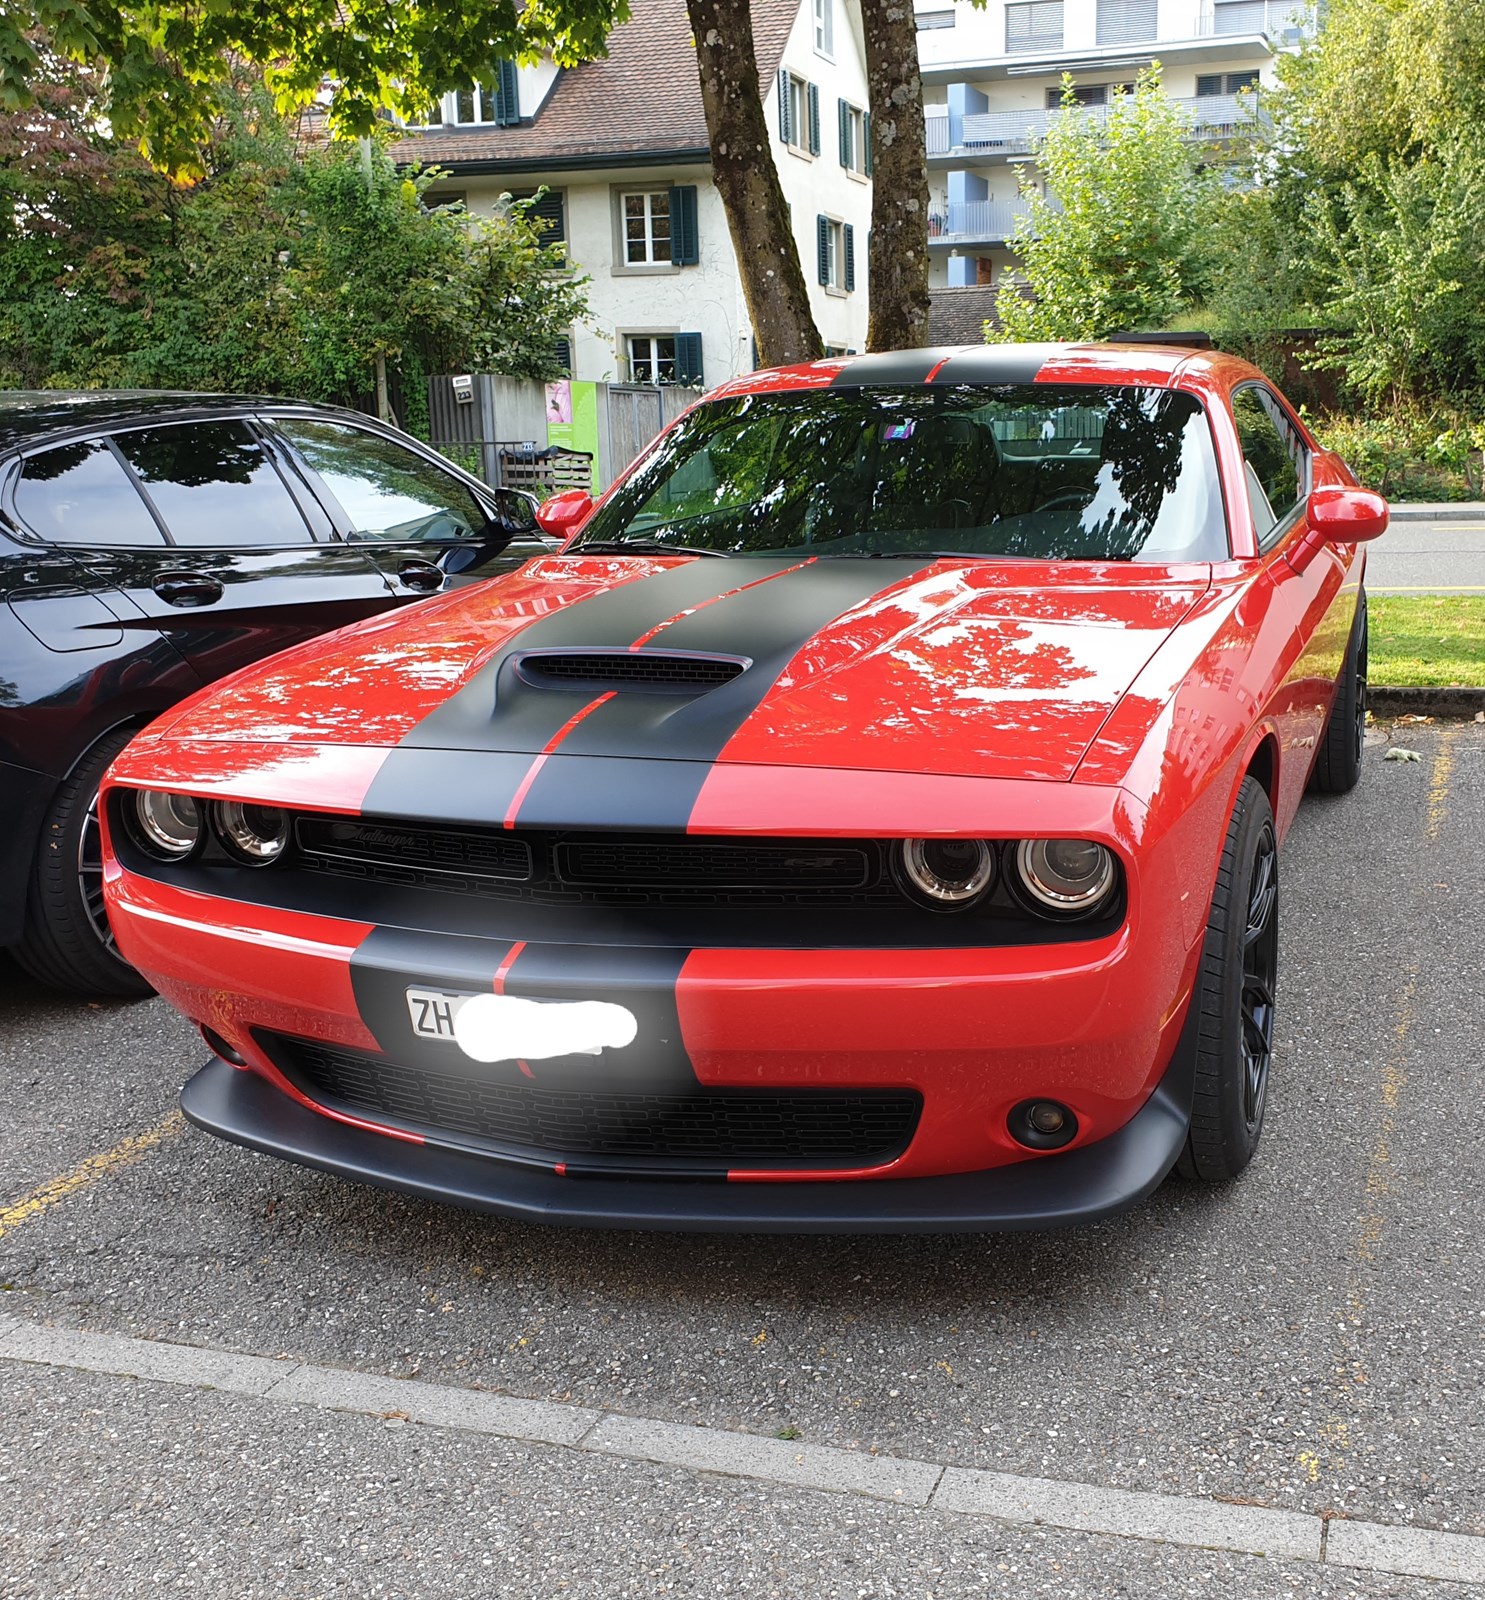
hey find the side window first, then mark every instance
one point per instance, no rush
(80, 494)
(214, 485)
(385, 490)
(1274, 460)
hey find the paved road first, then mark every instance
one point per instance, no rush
(1445, 554)
(1311, 1340)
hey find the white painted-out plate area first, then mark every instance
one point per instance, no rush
(504, 1027)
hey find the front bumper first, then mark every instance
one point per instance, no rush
(1072, 1187)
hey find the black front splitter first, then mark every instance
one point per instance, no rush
(1054, 1191)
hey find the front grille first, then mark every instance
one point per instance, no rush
(726, 1127)
(643, 863)
(414, 850)
(626, 669)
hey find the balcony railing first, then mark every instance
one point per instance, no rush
(975, 221)
(991, 135)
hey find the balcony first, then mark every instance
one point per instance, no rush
(987, 136)
(974, 222)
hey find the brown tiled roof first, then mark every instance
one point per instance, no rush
(958, 315)
(643, 98)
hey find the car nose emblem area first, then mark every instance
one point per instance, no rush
(502, 1027)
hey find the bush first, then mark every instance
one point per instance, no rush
(1409, 455)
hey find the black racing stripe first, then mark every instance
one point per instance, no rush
(511, 722)
(770, 624)
(390, 960)
(891, 369)
(997, 363)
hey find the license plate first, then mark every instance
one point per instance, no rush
(432, 1012)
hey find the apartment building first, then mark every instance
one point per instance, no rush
(620, 148)
(992, 82)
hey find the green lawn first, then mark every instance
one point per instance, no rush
(1427, 639)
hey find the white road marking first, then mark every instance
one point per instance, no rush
(1178, 1520)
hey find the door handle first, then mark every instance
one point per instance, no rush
(187, 589)
(421, 575)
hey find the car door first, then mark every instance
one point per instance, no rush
(238, 565)
(1307, 617)
(426, 526)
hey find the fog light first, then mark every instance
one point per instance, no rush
(219, 1046)
(255, 835)
(1042, 1125)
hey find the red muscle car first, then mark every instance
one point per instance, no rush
(869, 820)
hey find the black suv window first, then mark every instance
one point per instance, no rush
(385, 490)
(214, 485)
(1273, 460)
(80, 494)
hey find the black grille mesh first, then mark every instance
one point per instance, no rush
(628, 669)
(847, 1127)
(413, 848)
(721, 866)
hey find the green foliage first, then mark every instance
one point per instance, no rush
(283, 271)
(1409, 454)
(1116, 242)
(165, 84)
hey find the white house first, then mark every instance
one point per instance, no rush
(992, 78)
(620, 145)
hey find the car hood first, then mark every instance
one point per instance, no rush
(985, 669)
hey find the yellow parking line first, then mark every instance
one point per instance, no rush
(88, 1172)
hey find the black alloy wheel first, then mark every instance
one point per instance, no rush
(1235, 995)
(67, 941)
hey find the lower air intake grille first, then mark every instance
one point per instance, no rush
(627, 669)
(728, 1127)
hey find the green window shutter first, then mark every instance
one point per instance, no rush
(822, 244)
(843, 117)
(786, 133)
(866, 142)
(508, 109)
(685, 244)
(848, 233)
(814, 119)
(688, 359)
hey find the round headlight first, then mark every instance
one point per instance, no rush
(948, 874)
(256, 835)
(1068, 876)
(166, 826)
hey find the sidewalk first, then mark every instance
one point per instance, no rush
(1439, 511)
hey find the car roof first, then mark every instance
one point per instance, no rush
(1132, 362)
(31, 415)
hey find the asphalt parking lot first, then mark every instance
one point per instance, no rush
(1309, 1343)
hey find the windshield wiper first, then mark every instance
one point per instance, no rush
(644, 547)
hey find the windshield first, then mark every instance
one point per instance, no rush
(1040, 471)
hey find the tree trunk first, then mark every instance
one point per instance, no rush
(897, 275)
(748, 181)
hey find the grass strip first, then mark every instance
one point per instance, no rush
(1426, 640)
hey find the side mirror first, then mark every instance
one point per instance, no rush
(564, 513)
(1347, 516)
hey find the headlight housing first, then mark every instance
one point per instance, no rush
(947, 874)
(169, 827)
(254, 835)
(1068, 877)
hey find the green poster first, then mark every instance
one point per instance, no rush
(572, 420)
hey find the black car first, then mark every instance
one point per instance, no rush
(150, 543)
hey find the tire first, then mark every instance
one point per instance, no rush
(66, 942)
(1338, 765)
(1234, 995)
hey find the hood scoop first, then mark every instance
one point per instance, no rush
(653, 671)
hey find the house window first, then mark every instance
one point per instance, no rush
(929, 21)
(825, 28)
(836, 250)
(664, 357)
(855, 138)
(1126, 21)
(547, 211)
(1239, 16)
(1218, 83)
(799, 112)
(647, 229)
(492, 104)
(1034, 27)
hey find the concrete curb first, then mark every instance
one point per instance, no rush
(1177, 1520)
(1441, 511)
(1387, 700)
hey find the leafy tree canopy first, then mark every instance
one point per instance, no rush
(163, 58)
(1115, 243)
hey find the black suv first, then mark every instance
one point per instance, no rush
(150, 543)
